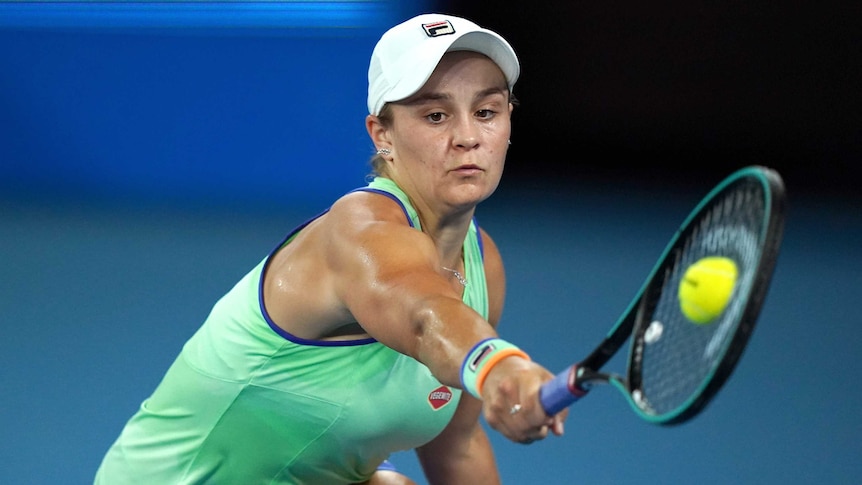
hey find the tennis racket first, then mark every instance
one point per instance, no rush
(675, 367)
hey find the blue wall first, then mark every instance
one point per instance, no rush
(227, 102)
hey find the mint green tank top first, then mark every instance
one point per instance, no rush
(248, 403)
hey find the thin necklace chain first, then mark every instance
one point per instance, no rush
(458, 275)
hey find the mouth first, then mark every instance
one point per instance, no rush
(468, 169)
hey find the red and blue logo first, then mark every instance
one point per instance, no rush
(436, 29)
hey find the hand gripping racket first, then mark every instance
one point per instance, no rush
(676, 366)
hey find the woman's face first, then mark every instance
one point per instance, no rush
(449, 140)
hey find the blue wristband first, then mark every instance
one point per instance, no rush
(481, 359)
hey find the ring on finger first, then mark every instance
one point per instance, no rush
(515, 409)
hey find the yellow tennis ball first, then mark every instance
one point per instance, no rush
(706, 288)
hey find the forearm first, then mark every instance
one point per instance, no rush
(470, 463)
(446, 331)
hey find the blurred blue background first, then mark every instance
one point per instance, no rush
(151, 153)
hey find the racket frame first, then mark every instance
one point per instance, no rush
(581, 377)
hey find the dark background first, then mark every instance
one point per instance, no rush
(684, 91)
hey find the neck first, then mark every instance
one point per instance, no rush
(445, 224)
(448, 237)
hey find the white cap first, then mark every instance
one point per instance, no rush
(407, 54)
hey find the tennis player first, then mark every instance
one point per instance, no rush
(371, 328)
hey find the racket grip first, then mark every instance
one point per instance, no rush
(561, 392)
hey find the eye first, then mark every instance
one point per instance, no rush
(485, 114)
(435, 117)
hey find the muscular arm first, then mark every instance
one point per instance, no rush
(462, 452)
(387, 276)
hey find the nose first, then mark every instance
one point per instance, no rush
(466, 133)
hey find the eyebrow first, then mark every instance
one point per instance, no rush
(438, 96)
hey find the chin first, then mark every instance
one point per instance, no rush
(472, 193)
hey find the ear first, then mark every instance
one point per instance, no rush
(377, 132)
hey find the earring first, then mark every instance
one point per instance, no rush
(510, 142)
(383, 151)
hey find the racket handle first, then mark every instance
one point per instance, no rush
(561, 392)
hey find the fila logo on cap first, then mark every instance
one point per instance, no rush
(436, 29)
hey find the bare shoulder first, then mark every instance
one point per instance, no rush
(338, 272)
(491, 251)
(304, 280)
(495, 277)
(357, 209)
(365, 224)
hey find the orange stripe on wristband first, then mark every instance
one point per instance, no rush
(493, 360)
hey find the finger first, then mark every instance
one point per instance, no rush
(523, 427)
(557, 421)
(558, 427)
(543, 432)
(515, 409)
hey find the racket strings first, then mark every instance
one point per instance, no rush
(676, 357)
